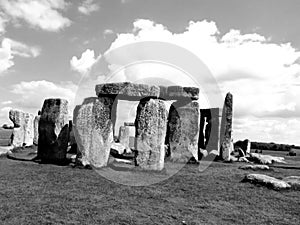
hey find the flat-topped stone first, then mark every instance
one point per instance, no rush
(179, 92)
(127, 89)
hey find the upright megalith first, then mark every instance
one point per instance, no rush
(23, 128)
(124, 137)
(226, 128)
(183, 130)
(151, 127)
(93, 130)
(36, 128)
(53, 131)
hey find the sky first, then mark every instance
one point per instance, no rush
(52, 48)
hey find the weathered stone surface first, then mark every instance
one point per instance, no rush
(36, 129)
(118, 147)
(23, 128)
(129, 124)
(267, 181)
(226, 128)
(265, 159)
(254, 167)
(94, 130)
(179, 92)
(126, 90)
(294, 181)
(151, 127)
(124, 137)
(183, 131)
(53, 131)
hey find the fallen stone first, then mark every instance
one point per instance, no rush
(53, 131)
(94, 130)
(151, 127)
(226, 128)
(203, 153)
(183, 131)
(243, 159)
(118, 147)
(126, 90)
(241, 152)
(294, 181)
(254, 167)
(267, 181)
(179, 92)
(265, 159)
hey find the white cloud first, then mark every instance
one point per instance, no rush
(31, 95)
(88, 6)
(83, 64)
(44, 14)
(262, 75)
(6, 103)
(108, 32)
(21, 49)
(10, 48)
(3, 21)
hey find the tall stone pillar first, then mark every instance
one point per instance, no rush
(183, 126)
(151, 127)
(93, 130)
(53, 131)
(226, 128)
(124, 137)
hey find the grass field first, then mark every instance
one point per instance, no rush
(32, 193)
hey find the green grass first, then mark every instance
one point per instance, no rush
(32, 193)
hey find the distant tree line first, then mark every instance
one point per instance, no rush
(272, 146)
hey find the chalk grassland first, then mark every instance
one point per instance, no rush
(32, 193)
(5, 135)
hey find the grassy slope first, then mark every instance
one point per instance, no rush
(31, 193)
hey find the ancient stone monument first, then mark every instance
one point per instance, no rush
(36, 128)
(184, 128)
(23, 128)
(94, 130)
(53, 131)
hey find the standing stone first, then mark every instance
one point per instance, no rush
(23, 128)
(124, 137)
(183, 131)
(248, 146)
(36, 129)
(53, 131)
(226, 128)
(151, 127)
(93, 130)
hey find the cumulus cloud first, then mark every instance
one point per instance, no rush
(43, 14)
(262, 75)
(10, 48)
(88, 6)
(84, 63)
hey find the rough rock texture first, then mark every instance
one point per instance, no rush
(265, 159)
(129, 124)
(124, 137)
(178, 92)
(254, 167)
(23, 128)
(94, 130)
(36, 129)
(53, 131)
(267, 181)
(294, 181)
(183, 131)
(151, 127)
(226, 129)
(126, 90)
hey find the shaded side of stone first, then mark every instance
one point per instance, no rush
(93, 130)
(226, 128)
(183, 131)
(53, 131)
(151, 126)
